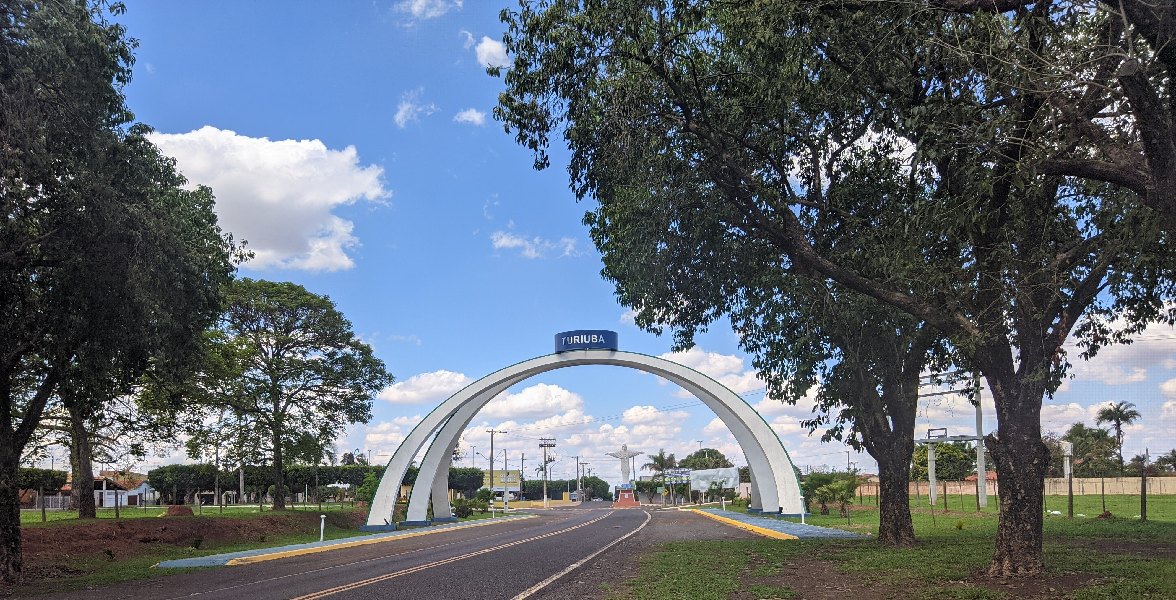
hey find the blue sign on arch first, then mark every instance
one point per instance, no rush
(585, 339)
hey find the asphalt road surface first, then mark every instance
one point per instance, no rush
(556, 555)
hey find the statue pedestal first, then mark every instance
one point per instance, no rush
(626, 499)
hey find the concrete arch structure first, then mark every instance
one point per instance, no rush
(773, 479)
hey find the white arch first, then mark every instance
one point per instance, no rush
(774, 481)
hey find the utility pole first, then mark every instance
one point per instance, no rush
(847, 468)
(522, 472)
(578, 498)
(545, 443)
(505, 483)
(981, 468)
(492, 432)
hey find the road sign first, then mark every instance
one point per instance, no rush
(503, 480)
(677, 475)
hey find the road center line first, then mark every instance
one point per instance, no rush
(358, 562)
(578, 564)
(366, 582)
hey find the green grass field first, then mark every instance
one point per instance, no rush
(32, 518)
(1086, 559)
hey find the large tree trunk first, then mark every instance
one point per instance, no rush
(81, 462)
(279, 476)
(894, 503)
(1022, 461)
(11, 562)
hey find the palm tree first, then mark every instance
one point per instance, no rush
(1118, 415)
(658, 463)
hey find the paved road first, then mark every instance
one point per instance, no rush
(496, 561)
(557, 554)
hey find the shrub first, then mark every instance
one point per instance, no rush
(463, 508)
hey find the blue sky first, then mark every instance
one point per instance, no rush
(352, 144)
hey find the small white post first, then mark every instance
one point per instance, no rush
(322, 526)
(724, 502)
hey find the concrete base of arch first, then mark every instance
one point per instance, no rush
(774, 485)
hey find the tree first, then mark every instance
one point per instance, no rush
(1093, 449)
(1118, 415)
(596, 487)
(866, 360)
(749, 126)
(705, 458)
(953, 462)
(303, 372)
(1167, 462)
(467, 480)
(41, 480)
(108, 263)
(659, 463)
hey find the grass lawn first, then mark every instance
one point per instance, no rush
(1086, 559)
(32, 518)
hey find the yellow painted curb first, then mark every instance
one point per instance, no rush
(245, 560)
(752, 528)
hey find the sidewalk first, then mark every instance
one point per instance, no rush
(245, 557)
(787, 528)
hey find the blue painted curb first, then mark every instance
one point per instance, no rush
(388, 527)
(415, 523)
(804, 532)
(444, 519)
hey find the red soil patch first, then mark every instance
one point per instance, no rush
(179, 510)
(59, 550)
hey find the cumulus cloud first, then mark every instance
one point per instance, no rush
(278, 195)
(536, 247)
(1168, 388)
(1168, 410)
(384, 437)
(629, 317)
(411, 108)
(727, 369)
(647, 414)
(427, 9)
(540, 400)
(425, 388)
(491, 53)
(471, 116)
(1127, 363)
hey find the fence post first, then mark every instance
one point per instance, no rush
(1143, 496)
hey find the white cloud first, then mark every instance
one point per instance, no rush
(278, 195)
(1127, 363)
(471, 116)
(727, 369)
(407, 421)
(412, 109)
(491, 53)
(716, 428)
(469, 39)
(425, 388)
(629, 317)
(384, 437)
(536, 247)
(647, 414)
(1168, 410)
(1168, 389)
(427, 9)
(538, 401)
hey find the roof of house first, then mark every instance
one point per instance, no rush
(989, 476)
(126, 479)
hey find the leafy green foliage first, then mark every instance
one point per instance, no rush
(706, 458)
(954, 461)
(367, 491)
(41, 479)
(303, 375)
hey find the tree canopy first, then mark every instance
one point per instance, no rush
(303, 375)
(108, 264)
(976, 170)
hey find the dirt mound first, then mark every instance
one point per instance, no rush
(52, 549)
(179, 510)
